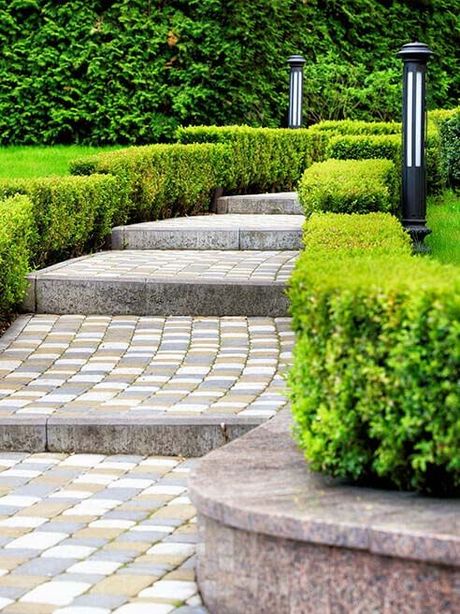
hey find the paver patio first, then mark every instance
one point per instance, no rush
(96, 534)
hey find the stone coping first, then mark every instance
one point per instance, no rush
(261, 484)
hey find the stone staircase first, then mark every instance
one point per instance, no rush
(174, 342)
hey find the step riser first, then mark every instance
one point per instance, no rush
(260, 204)
(190, 439)
(207, 239)
(115, 297)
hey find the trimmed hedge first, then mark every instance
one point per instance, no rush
(449, 133)
(17, 234)
(72, 215)
(349, 186)
(389, 146)
(375, 380)
(262, 159)
(358, 147)
(162, 180)
(349, 234)
(348, 126)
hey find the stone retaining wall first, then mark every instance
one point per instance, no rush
(275, 538)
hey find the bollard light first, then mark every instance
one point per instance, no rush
(296, 62)
(415, 57)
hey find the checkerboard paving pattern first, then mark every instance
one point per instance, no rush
(94, 534)
(137, 366)
(178, 265)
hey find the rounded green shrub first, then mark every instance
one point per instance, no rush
(375, 383)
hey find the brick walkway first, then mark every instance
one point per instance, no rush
(187, 351)
(136, 366)
(92, 534)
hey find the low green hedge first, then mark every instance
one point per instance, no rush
(162, 180)
(17, 235)
(350, 234)
(375, 381)
(348, 126)
(71, 215)
(262, 159)
(358, 147)
(349, 186)
(449, 134)
(389, 146)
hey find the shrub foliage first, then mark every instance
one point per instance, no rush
(261, 159)
(349, 186)
(375, 381)
(17, 234)
(71, 215)
(163, 180)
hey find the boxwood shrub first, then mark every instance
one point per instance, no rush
(449, 135)
(349, 186)
(17, 235)
(348, 126)
(160, 181)
(71, 215)
(262, 159)
(390, 146)
(375, 381)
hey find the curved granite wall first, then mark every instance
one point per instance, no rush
(276, 539)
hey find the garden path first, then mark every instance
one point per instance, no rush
(130, 354)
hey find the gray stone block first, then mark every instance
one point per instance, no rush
(296, 541)
(270, 240)
(180, 239)
(215, 299)
(164, 436)
(286, 203)
(23, 434)
(114, 296)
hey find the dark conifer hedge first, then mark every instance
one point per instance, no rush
(131, 71)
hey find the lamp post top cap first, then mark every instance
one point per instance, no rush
(415, 51)
(296, 60)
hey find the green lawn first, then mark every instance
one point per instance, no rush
(20, 162)
(444, 221)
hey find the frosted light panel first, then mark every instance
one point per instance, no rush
(409, 106)
(418, 118)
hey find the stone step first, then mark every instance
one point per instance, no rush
(139, 385)
(278, 203)
(160, 282)
(218, 232)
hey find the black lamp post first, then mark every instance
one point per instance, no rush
(296, 62)
(415, 57)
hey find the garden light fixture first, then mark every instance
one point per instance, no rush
(296, 62)
(415, 57)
